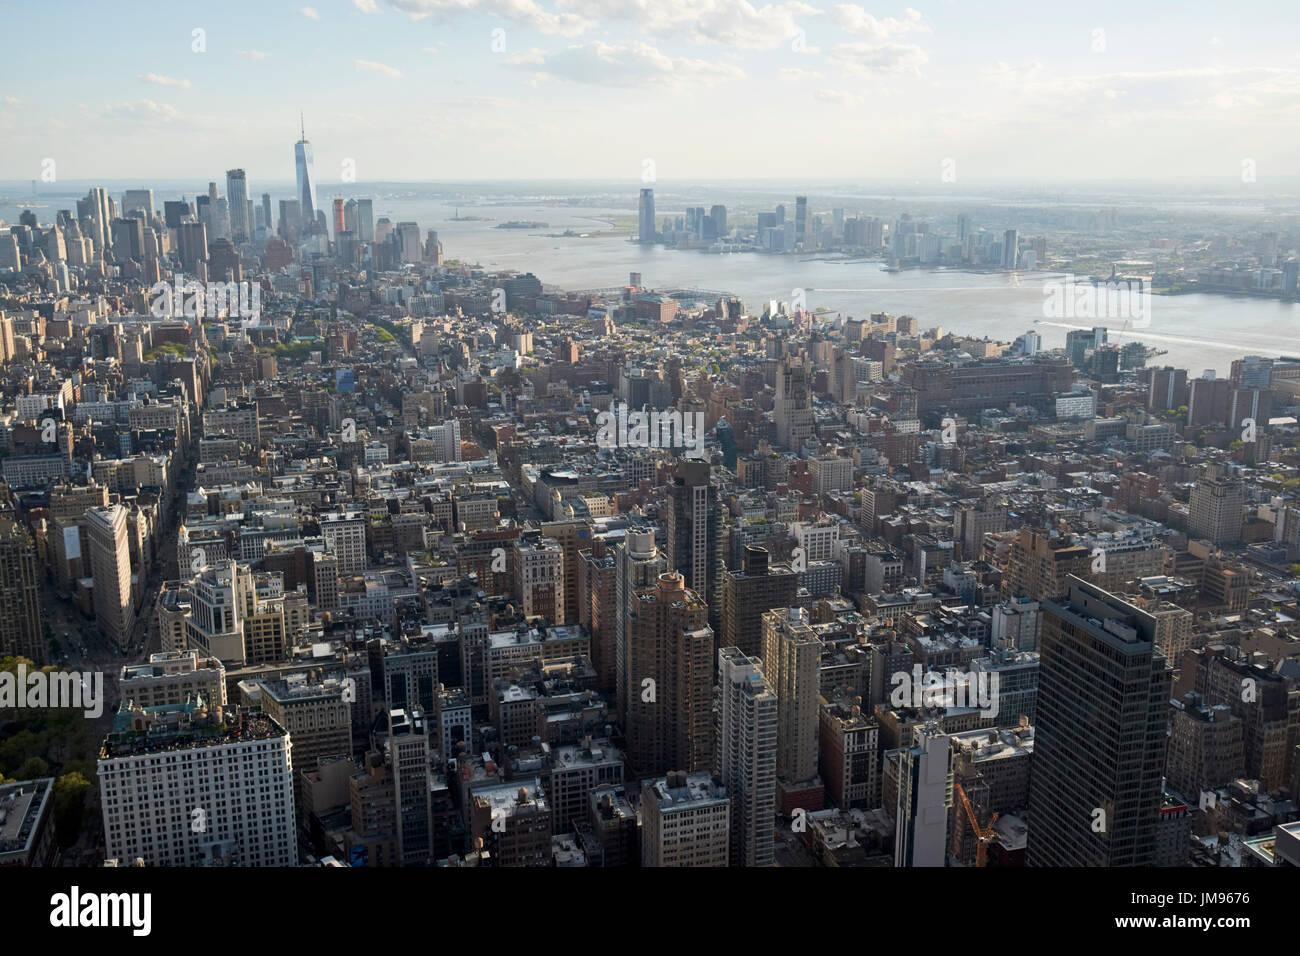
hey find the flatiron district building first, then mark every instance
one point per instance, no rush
(189, 785)
(110, 560)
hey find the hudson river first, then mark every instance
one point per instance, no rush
(1197, 332)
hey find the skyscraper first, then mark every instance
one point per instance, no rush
(749, 592)
(670, 680)
(1099, 745)
(638, 564)
(290, 226)
(138, 199)
(20, 607)
(127, 239)
(800, 219)
(924, 796)
(408, 742)
(110, 562)
(792, 665)
(694, 528)
(97, 205)
(340, 216)
(598, 608)
(1010, 248)
(793, 409)
(646, 216)
(175, 212)
(718, 215)
(303, 164)
(237, 195)
(9, 256)
(366, 220)
(1217, 509)
(193, 246)
(746, 756)
(408, 241)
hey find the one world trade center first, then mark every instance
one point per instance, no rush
(302, 159)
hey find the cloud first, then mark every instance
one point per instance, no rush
(634, 65)
(148, 112)
(792, 74)
(250, 54)
(736, 23)
(523, 12)
(855, 20)
(428, 49)
(157, 79)
(476, 103)
(838, 97)
(366, 6)
(311, 13)
(531, 57)
(383, 68)
(867, 59)
(1180, 92)
(1011, 75)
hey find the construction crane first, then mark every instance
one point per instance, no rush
(982, 834)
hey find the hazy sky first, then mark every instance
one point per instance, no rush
(441, 90)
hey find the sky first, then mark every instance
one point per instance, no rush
(648, 90)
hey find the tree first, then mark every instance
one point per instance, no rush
(34, 768)
(69, 802)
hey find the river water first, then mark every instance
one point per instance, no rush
(1196, 332)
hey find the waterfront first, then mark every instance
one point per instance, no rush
(1197, 331)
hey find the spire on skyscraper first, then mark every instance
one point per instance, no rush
(303, 163)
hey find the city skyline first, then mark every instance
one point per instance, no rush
(618, 434)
